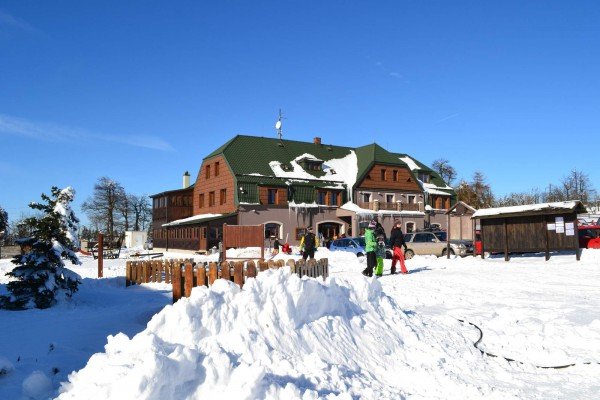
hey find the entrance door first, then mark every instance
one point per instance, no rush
(329, 230)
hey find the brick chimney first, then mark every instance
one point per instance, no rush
(317, 140)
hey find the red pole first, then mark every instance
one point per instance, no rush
(100, 255)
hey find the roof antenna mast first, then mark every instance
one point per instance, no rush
(279, 127)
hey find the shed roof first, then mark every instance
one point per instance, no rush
(532, 209)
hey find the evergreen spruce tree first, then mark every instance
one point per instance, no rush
(41, 276)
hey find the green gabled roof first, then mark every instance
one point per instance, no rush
(374, 153)
(252, 154)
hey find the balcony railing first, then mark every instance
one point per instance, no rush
(371, 205)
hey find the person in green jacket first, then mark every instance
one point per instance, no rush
(370, 247)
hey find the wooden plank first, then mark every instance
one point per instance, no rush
(177, 284)
(545, 227)
(300, 264)
(201, 275)
(238, 273)
(188, 280)
(226, 271)
(263, 265)
(161, 267)
(168, 270)
(213, 273)
(292, 264)
(127, 273)
(505, 240)
(250, 270)
(280, 263)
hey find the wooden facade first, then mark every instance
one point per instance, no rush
(214, 190)
(389, 177)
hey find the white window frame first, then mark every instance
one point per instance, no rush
(406, 226)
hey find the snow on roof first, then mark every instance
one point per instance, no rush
(410, 162)
(566, 205)
(349, 206)
(195, 218)
(307, 156)
(343, 170)
(436, 191)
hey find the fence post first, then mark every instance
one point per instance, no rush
(238, 273)
(263, 265)
(225, 271)
(160, 271)
(168, 270)
(212, 273)
(139, 273)
(127, 273)
(177, 288)
(100, 255)
(292, 264)
(201, 275)
(250, 270)
(188, 279)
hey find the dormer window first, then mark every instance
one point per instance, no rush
(424, 177)
(286, 167)
(312, 164)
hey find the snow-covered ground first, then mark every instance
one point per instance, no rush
(350, 337)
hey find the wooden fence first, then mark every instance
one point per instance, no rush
(185, 274)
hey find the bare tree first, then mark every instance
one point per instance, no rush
(140, 206)
(103, 207)
(577, 186)
(445, 170)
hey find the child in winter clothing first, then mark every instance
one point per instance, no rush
(380, 250)
(397, 241)
(370, 247)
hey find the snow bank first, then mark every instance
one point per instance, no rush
(282, 337)
(37, 386)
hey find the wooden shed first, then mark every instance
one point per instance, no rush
(460, 222)
(542, 227)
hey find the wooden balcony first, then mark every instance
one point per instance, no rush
(383, 206)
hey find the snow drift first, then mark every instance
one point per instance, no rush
(285, 337)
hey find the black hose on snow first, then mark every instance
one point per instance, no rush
(476, 345)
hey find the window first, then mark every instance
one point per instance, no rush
(211, 199)
(272, 230)
(207, 171)
(333, 199)
(424, 177)
(383, 174)
(222, 196)
(410, 227)
(321, 197)
(271, 196)
(366, 197)
(421, 238)
(389, 198)
(201, 200)
(412, 199)
(203, 232)
(408, 236)
(217, 164)
(395, 175)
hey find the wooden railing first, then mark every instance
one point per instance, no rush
(185, 274)
(389, 206)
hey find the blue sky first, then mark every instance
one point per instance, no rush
(141, 91)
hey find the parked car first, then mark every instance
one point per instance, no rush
(354, 245)
(589, 236)
(423, 243)
(442, 235)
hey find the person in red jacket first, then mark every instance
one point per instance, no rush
(396, 242)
